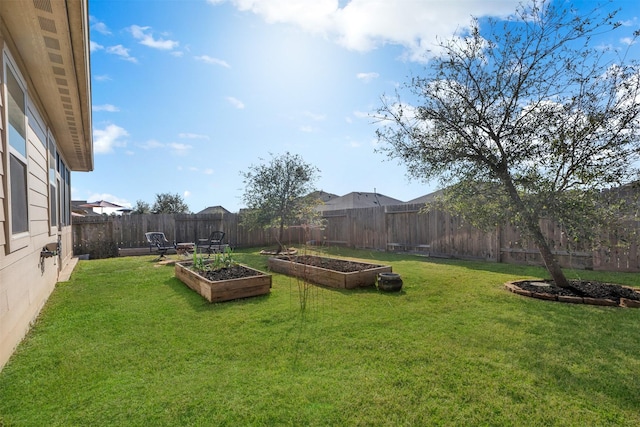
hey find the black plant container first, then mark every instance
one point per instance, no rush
(389, 282)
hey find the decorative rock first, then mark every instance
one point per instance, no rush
(540, 284)
(510, 286)
(630, 303)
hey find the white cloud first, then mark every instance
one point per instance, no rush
(208, 171)
(147, 39)
(100, 27)
(210, 60)
(179, 148)
(367, 77)
(152, 144)
(93, 46)
(122, 52)
(235, 102)
(364, 25)
(104, 140)
(176, 148)
(307, 129)
(187, 193)
(628, 41)
(106, 107)
(188, 135)
(314, 116)
(604, 47)
(101, 78)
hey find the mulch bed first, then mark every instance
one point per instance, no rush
(341, 265)
(581, 291)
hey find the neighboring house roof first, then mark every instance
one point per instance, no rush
(358, 199)
(323, 196)
(80, 210)
(214, 210)
(52, 39)
(427, 198)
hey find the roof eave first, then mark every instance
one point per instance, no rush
(52, 41)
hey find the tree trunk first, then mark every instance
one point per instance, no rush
(550, 262)
(280, 236)
(532, 226)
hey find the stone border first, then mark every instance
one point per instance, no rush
(624, 302)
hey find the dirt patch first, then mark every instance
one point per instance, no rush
(235, 272)
(343, 266)
(580, 291)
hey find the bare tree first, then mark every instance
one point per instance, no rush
(525, 117)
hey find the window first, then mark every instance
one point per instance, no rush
(17, 142)
(59, 188)
(65, 200)
(53, 183)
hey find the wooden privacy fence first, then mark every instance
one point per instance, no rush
(128, 231)
(391, 228)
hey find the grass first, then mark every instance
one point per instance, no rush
(125, 343)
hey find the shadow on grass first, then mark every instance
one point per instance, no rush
(522, 270)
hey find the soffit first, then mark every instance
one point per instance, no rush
(52, 40)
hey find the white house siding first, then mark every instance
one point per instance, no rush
(2, 181)
(25, 283)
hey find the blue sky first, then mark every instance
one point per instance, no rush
(187, 94)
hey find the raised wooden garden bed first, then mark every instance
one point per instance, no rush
(252, 283)
(323, 271)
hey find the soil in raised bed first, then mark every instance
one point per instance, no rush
(234, 272)
(582, 288)
(341, 265)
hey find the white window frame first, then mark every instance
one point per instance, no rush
(65, 194)
(59, 188)
(53, 184)
(20, 239)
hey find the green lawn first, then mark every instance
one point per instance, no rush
(125, 343)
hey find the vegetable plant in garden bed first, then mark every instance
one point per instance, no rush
(222, 278)
(331, 272)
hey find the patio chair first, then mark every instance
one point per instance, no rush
(212, 244)
(159, 243)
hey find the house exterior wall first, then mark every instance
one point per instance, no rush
(27, 279)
